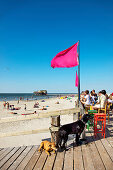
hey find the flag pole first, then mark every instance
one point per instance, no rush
(78, 72)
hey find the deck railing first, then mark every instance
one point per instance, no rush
(74, 111)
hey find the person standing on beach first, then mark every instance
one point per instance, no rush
(25, 107)
(7, 105)
(4, 104)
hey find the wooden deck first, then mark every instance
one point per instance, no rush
(97, 154)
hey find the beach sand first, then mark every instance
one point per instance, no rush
(34, 124)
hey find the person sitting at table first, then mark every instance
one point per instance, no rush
(92, 97)
(93, 91)
(110, 100)
(82, 95)
(87, 100)
(101, 100)
(95, 95)
(112, 95)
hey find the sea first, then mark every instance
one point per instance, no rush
(30, 96)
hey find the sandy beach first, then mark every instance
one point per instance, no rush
(49, 104)
(33, 124)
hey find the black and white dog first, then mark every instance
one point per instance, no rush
(72, 128)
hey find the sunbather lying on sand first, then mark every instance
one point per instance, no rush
(57, 103)
(13, 113)
(30, 113)
(43, 108)
(16, 108)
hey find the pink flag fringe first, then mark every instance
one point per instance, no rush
(76, 80)
(66, 58)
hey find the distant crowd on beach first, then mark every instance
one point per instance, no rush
(22, 107)
(96, 100)
(11, 107)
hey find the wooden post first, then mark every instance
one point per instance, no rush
(55, 122)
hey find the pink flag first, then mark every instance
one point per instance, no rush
(66, 58)
(76, 80)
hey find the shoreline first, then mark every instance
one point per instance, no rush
(30, 96)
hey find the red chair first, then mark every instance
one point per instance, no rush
(99, 117)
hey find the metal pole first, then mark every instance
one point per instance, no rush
(78, 72)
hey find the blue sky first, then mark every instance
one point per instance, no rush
(32, 32)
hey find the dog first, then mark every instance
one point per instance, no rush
(48, 147)
(72, 128)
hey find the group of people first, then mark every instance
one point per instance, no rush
(10, 107)
(96, 101)
(6, 104)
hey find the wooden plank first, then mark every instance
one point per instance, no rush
(41, 161)
(2, 151)
(13, 158)
(5, 153)
(78, 160)
(59, 161)
(7, 157)
(20, 158)
(107, 146)
(88, 163)
(68, 161)
(97, 162)
(108, 134)
(109, 126)
(49, 162)
(109, 138)
(60, 158)
(33, 160)
(104, 155)
(27, 158)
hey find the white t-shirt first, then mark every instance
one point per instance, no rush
(110, 101)
(93, 98)
(87, 97)
(102, 101)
